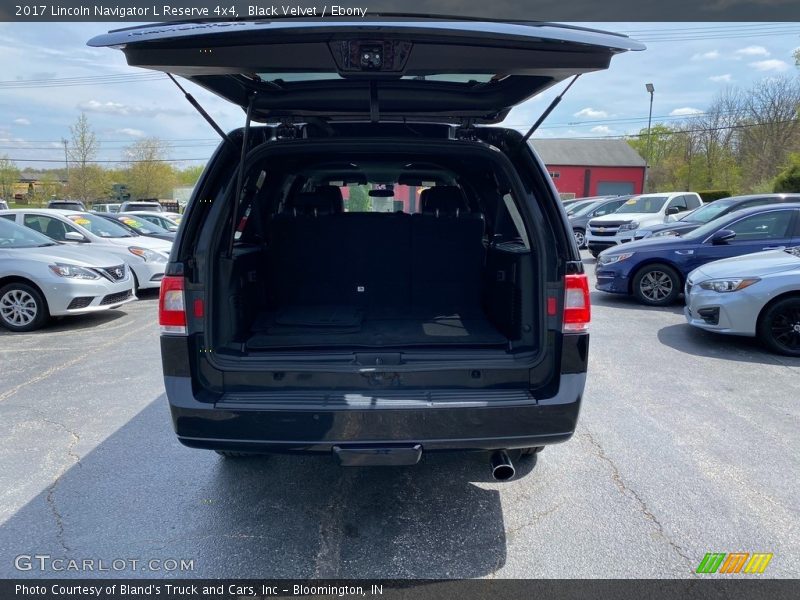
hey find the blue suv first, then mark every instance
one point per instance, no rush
(654, 270)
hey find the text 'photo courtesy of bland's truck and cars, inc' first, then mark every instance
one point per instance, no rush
(156, 11)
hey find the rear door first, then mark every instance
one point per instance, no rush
(382, 69)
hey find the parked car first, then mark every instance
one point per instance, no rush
(132, 205)
(40, 279)
(141, 226)
(578, 220)
(165, 220)
(146, 257)
(375, 336)
(66, 205)
(575, 206)
(692, 220)
(757, 295)
(654, 270)
(3, 204)
(106, 208)
(638, 211)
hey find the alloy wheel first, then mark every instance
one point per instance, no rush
(580, 238)
(656, 286)
(18, 308)
(785, 328)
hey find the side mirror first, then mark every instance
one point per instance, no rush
(722, 236)
(673, 210)
(74, 236)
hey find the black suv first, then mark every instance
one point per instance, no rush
(370, 272)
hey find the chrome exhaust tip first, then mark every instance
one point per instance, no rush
(502, 468)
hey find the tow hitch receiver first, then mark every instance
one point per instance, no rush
(387, 456)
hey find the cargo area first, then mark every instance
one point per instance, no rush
(378, 253)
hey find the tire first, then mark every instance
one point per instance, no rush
(531, 451)
(22, 307)
(580, 238)
(779, 326)
(656, 285)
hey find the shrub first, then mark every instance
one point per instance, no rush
(788, 180)
(711, 195)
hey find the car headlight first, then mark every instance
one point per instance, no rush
(667, 233)
(73, 272)
(728, 285)
(629, 226)
(642, 233)
(147, 255)
(610, 259)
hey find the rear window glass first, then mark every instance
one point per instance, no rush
(445, 77)
(99, 226)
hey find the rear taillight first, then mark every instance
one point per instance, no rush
(577, 311)
(172, 306)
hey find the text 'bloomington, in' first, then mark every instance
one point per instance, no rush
(194, 12)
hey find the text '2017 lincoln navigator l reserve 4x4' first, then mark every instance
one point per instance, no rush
(367, 269)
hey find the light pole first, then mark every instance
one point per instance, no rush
(649, 87)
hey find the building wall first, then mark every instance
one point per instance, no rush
(583, 180)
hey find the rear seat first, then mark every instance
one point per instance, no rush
(321, 256)
(447, 231)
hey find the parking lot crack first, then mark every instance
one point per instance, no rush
(74, 460)
(629, 492)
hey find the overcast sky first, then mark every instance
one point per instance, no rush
(688, 63)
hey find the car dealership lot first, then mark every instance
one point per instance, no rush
(687, 444)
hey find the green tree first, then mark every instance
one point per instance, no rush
(189, 175)
(788, 180)
(359, 200)
(9, 175)
(87, 181)
(149, 175)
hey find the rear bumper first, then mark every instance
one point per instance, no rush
(473, 425)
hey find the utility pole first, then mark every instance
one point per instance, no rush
(66, 160)
(649, 87)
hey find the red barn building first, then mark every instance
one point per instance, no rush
(592, 167)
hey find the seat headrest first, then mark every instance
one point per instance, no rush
(325, 200)
(444, 200)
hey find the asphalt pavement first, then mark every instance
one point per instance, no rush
(688, 443)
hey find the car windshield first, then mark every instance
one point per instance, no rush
(100, 226)
(573, 209)
(705, 230)
(17, 236)
(642, 204)
(708, 212)
(585, 210)
(145, 227)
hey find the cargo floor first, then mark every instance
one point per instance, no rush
(329, 326)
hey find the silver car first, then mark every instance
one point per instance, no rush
(145, 256)
(40, 278)
(756, 295)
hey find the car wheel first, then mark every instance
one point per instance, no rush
(779, 327)
(22, 307)
(580, 237)
(531, 451)
(656, 285)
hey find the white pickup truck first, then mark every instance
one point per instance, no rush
(648, 209)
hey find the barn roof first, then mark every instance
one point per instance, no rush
(589, 153)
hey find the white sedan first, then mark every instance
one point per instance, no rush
(40, 278)
(756, 295)
(147, 257)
